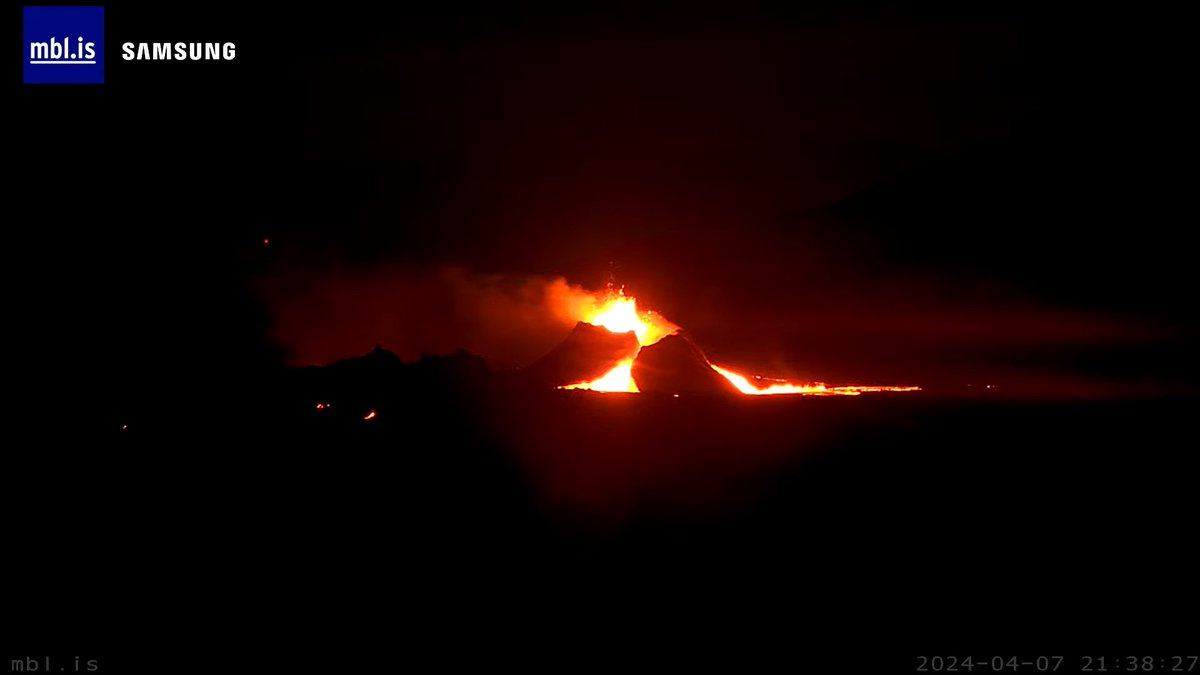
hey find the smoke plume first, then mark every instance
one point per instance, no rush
(510, 319)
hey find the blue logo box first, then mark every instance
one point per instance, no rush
(64, 45)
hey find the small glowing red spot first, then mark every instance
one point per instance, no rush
(124, 427)
(321, 406)
(370, 415)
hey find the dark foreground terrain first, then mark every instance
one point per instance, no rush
(581, 530)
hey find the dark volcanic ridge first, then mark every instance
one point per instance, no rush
(585, 354)
(673, 365)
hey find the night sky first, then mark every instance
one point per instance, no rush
(866, 192)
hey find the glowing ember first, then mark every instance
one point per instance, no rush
(323, 406)
(619, 379)
(370, 416)
(620, 314)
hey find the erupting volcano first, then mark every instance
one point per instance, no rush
(672, 362)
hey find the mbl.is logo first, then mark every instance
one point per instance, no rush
(64, 45)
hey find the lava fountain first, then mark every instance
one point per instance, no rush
(619, 313)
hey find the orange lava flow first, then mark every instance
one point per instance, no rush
(620, 314)
(742, 384)
(619, 379)
(813, 389)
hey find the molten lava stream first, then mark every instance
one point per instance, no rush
(619, 379)
(742, 384)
